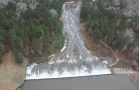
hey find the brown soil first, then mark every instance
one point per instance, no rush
(8, 85)
(36, 59)
(124, 61)
(97, 48)
(100, 50)
(9, 72)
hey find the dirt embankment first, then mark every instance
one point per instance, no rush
(11, 73)
(114, 58)
(110, 55)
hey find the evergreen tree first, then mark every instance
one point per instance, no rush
(0, 56)
(32, 29)
(11, 6)
(136, 40)
(120, 42)
(97, 35)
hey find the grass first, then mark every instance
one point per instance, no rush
(21, 70)
(7, 77)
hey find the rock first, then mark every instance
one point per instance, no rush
(30, 1)
(130, 34)
(132, 8)
(128, 13)
(27, 1)
(26, 50)
(21, 6)
(135, 51)
(4, 3)
(54, 13)
(136, 65)
(116, 2)
(109, 8)
(129, 20)
(136, 28)
(25, 61)
(33, 6)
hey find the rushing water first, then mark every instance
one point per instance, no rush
(74, 59)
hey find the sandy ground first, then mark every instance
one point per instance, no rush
(11, 73)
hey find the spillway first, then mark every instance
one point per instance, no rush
(74, 59)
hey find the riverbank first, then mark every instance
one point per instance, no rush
(118, 60)
(110, 55)
(11, 73)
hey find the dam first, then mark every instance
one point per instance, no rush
(74, 59)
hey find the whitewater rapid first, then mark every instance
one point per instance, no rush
(74, 59)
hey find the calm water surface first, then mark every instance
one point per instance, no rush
(106, 82)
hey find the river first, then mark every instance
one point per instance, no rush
(74, 59)
(104, 82)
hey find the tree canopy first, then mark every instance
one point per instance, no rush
(105, 22)
(34, 29)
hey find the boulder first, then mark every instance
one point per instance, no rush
(21, 6)
(130, 34)
(33, 6)
(54, 13)
(4, 3)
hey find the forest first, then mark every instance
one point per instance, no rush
(105, 21)
(36, 30)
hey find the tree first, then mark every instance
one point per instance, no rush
(0, 56)
(120, 42)
(100, 5)
(18, 56)
(123, 23)
(136, 40)
(122, 4)
(57, 5)
(97, 35)
(31, 29)
(3, 35)
(11, 6)
(16, 1)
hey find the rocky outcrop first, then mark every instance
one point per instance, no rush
(129, 33)
(54, 13)
(33, 5)
(4, 2)
(21, 7)
(132, 8)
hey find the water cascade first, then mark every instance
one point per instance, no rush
(74, 59)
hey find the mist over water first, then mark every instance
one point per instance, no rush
(74, 59)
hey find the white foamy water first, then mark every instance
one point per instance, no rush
(74, 59)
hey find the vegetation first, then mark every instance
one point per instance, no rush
(136, 40)
(104, 21)
(34, 29)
